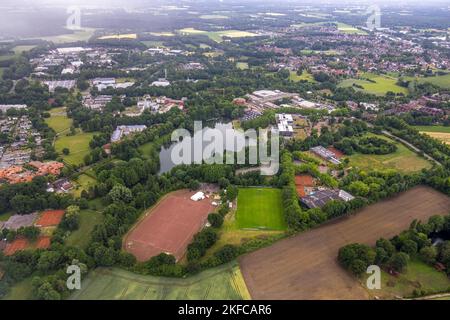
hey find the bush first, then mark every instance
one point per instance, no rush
(216, 220)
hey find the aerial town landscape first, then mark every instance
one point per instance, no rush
(355, 95)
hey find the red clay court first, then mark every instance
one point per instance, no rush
(168, 227)
(339, 154)
(50, 218)
(43, 242)
(302, 181)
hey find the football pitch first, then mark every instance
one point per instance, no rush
(260, 208)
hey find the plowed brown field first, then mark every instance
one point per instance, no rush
(305, 266)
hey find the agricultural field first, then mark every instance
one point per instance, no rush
(260, 208)
(346, 28)
(418, 275)
(221, 283)
(293, 76)
(153, 43)
(441, 81)
(307, 264)
(58, 120)
(441, 133)
(128, 36)
(88, 220)
(20, 49)
(217, 35)
(213, 17)
(403, 160)
(78, 145)
(78, 35)
(381, 85)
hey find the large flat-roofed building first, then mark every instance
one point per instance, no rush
(6, 107)
(66, 84)
(262, 96)
(319, 198)
(326, 154)
(122, 131)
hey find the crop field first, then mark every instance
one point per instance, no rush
(119, 36)
(19, 49)
(305, 266)
(77, 35)
(213, 17)
(346, 28)
(217, 35)
(381, 85)
(166, 228)
(441, 133)
(402, 159)
(78, 145)
(221, 283)
(88, 220)
(260, 208)
(441, 81)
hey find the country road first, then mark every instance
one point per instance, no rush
(427, 156)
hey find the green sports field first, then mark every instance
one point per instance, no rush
(221, 283)
(260, 208)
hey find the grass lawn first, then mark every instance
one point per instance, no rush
(5, 216)
(58, 120)
(88, 220)
(83, 182)
(293, 76)
(78, 145)
(417, 276)
(20, 291)
(381, 86)
(403, 159)
(260, 208)
(221, 283)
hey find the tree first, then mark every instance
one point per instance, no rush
(71, 219)
(120, 193)
(409, 247)
(359, 188)
(227, 253)
(428, 254)
(66, 151)
(215, 220)
(399, 261)
(358, 267)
